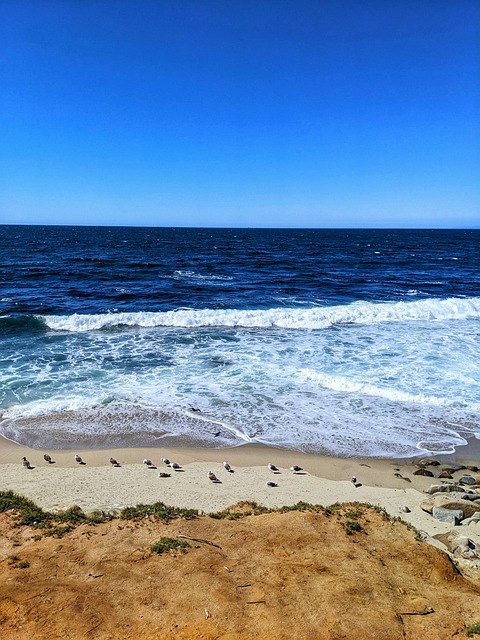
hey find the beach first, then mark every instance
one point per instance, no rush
(96, 485)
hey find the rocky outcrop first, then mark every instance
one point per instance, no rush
(442, 501)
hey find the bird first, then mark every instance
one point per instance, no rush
(78, 459)
(162, 474)
(47, 458)
(195, 409)
(272, 467)
(165, 461)
(296, 468)
(271, 484)
(114, 463)
(212, 476)
(148, 462)
(354, 480)
(228, 467)
(175, 466)
(26, 463)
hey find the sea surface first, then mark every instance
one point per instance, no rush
(342, 342)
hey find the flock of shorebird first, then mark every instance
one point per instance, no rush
(173, 465)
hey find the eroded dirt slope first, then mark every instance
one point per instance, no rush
(295, 575)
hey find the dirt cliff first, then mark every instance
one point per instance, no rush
(331, 574)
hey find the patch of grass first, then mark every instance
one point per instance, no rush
(26, 511)
(240, 510)
(59, 531)
(332, 509)
(351, 527)
(354, 513)
(169, 544)
(472, 629)
(17, 563)
(159, 510)
(73, 515)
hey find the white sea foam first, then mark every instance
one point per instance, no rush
(321, 317)
(185, 275)
(346, 385)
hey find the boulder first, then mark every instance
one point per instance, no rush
(452, 468)
(446, 488)
(470, 480)
(468, 521)
(458, 545)
(447, 502)
(452, 516)
(445, 474)
(424, 472)
(428, 462)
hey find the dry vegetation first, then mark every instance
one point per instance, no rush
(343, 572)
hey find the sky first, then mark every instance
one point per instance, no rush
(240, 113)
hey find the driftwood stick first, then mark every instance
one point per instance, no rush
(425, 612)
(212, 544)
(257, 602)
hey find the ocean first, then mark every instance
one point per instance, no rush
(340, 342)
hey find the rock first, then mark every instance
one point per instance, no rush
(428, 462)
(447, 502)
(452, 516)
(467, 480)
(456, 543)
(424, 472)
(446, 488)
(445, 474)
(452, 468)
(468, 521)
(472, 468)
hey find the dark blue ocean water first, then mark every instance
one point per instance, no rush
(351, 342)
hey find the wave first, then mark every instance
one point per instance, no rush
(185, 275)
(21, 323)
(432, 309)
(345, 385)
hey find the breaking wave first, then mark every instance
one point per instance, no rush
(431, 309)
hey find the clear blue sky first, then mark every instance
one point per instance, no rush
(240, 112)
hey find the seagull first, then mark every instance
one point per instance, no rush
(148, 462)
(175, 466)
(165, 461)
(78, 459)
(26, 463)
(114, 463)
(296, 468)
(162, 474)
(212, 476)
(354, 480)
(271, 484)
(272, 467)
(228, 467)
(47, 458)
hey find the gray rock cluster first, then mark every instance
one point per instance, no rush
(445, 471)
(454, 503)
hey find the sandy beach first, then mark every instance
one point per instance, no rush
(323, 480)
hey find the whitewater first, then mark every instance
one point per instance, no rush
(352, 344)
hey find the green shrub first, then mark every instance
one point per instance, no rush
(169, 544)
(473, 629)
(159, 510)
